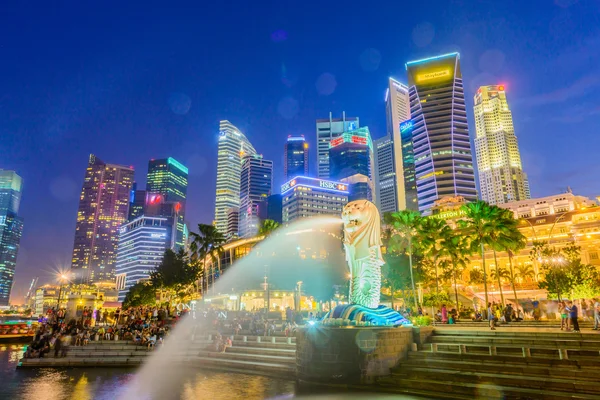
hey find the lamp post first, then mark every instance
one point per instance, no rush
(298, 305)
(62, 278)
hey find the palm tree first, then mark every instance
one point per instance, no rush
(207, 245)
(432, 232)
(267, 227)
(500, 274)
(480, 223)
(456, 247)
(535, 255)
(524, 271)
(511, 250)
(404, 224)
(503, 237)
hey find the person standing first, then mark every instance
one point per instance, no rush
(491, 317)
(562, 310)
(444, 314)
(573, 314)
(596, 314)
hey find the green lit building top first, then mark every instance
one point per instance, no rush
(169, 178)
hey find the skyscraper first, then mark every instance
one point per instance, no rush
(295, 157)
(351, 162)
(440, 135)
(501, 176)
(137, 200)
(142, 245)
(233, 145)
(103, 208)
(305, 197)
(394, 173)
(327, 130)
(256, 182)
(169, 178)
(11, 229)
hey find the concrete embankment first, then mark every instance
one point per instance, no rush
(274, 356)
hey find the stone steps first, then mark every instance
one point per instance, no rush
(558, 371)
(500, 359)
(572, 342)
(459, 376)
(259, 358)
(516, 334)
(439, 388)
(269, 368)
(262, 350)
(81, 362)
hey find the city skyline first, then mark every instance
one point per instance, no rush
(169, 121)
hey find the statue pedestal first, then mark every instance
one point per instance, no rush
(349, 355)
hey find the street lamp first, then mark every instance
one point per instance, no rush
(62, 278)
(299, 283)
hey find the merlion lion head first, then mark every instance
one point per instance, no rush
(361, 223)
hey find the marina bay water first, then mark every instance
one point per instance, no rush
(112, 383)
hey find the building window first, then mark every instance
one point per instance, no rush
(593, 255)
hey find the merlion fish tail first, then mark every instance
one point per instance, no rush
(365, 288)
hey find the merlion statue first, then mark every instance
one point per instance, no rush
(362, 242)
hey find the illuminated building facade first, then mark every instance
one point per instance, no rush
(142, 245)
(137, 201)
(351, 162)
(103, 208)
(233, 221)
(169, 178)
(501, 176)
(395, 184)
(440, 135)
(11, 230)
(560, 220)
(327, 130)
(295, 156)
(256, 183)
(305, 197)
(233, 145)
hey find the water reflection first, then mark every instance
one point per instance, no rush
(105, 384)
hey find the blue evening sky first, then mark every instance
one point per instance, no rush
(134, 80)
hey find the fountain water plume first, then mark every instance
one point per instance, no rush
(167, 371)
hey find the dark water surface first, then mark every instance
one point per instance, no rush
(105, 383)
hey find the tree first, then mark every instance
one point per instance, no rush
(456, 248)
(394, 274)
(505, 237)
(511, 249)
(267, 227)
(140, 294)
(405, 224)
(499, 274)
(480, 224)
(535, 255)
(432, 232)
(524, 272)
(174, 274)
(206, 245)
(564, 274)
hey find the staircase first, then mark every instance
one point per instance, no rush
(476, 364)
(274, 356)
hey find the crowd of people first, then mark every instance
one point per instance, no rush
(146, 326)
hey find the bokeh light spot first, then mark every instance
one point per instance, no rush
(492, 61)
(288, 107)
(179, 103)
(370, 59)
(326, 84)
(63, 188)
(279, 36)
(422, 34)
